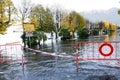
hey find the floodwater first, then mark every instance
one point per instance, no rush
(40, 66)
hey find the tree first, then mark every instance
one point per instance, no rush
(58, 14)
(24, 9)
(101, 26)
(106, 27)
(48, 21)
(6, 10)
(42, 18)
(73, 21)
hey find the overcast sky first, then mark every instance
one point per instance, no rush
(79, 5)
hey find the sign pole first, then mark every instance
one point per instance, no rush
(29, 41)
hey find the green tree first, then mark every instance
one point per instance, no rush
(42, 18)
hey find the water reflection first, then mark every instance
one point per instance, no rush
(113, 36)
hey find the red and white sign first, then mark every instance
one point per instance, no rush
(106, 49)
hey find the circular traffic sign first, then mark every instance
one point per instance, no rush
(106, 49)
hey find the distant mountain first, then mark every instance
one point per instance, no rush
(110, 15)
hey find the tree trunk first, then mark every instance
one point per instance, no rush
(73, 34)
(56, 33)
(9, 14)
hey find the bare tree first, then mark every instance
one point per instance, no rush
(24, 9)
(58, 13)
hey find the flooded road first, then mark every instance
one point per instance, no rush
(46, 67)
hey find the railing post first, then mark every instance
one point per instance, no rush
(77, 61)
(0, 53)
(77, 45)
(22, 60)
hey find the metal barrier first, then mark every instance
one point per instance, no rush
(11, 52)
(90, 51)
(97, 51)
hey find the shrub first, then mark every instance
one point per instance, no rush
(83, 34)
(95, 32)
(65, 34)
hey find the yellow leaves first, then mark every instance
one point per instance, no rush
(35, 20)
(118, 11)
(113, 27)
(73, 21)
(6, 3)
(109, 25)
(2, 3)
(65, 22)
(9, 3)
(3, 18)
(106, 24)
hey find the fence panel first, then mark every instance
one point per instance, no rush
(98, 50)
(11, 52)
